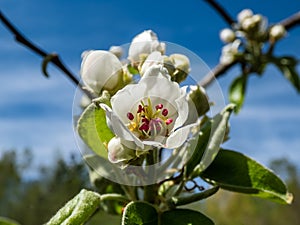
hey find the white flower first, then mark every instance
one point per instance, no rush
(143, 44)
(181, 62)
(277, 31)
(151, 113)
(229, 52)
(227, 35)
(244, 14)
(116, 50)
(100, 70)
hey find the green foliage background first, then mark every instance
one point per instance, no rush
(33, 202)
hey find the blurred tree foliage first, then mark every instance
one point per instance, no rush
(34, 201)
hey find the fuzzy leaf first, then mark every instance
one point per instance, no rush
(139, 213)
(93, 129)
(236, 172)
(184, 217)
(78, 210)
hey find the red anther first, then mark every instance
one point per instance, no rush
(169, 121)
(130, 116)
(144, 127)
(140, 109)
(145, 120)
(159, 106)
(165, 112)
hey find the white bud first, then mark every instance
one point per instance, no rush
(100, 70)
(116, 50)
(244, 14)
(277, 31)
(227, 35)
(119, 153)
(181, 62)
(229, 52)
(144, 44)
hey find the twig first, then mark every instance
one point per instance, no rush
(55, 59)
(291, 21)
(223, 13)
(221, 69)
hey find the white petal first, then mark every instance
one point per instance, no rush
(155, 58)
(119, 128)
(178, 137)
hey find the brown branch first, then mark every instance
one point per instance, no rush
(20, 38)
(223, 13)
(291, 21)
(220, 69)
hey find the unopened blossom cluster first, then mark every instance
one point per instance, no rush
(145, 106)
(248, 35)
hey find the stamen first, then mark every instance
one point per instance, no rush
(169, 121)
(165, 112)
(144, 127)
(140, 109)
(130, 116)
(159, 106)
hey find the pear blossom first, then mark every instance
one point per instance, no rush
(227, 35)
(276, 32)
(152, 113)
(100, 70)
(229, 52)
(143, 44)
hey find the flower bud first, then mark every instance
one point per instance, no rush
(229, 52)
(276, 32)
(100, 70)
(227, 35)
(244, 14)
(181, 62)
(119, 153)
(143, 44)
(116, 50)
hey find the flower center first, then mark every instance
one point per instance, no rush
(148, 121)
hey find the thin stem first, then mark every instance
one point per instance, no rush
(114, 197)
(150, 191)
(177, 201)
(20, 38)
(223, 13)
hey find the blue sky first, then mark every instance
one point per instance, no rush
(37, 113)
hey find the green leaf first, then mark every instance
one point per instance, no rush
(99, 165)
(93, 130)
(287, 66)
(237, 92)
(139, 213)
(184, 217)
(7, 221)
(132, 69)
(211, 137)
(78, 210)
(236, 172)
